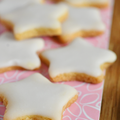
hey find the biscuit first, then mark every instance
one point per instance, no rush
(17, 55)
(87, 3)
(36, 20)
(79, 61)
(83, 22)
(36, 98)
(7, 6)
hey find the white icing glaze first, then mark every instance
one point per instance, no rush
(79, 19)
(79, 56)
(36, 16)
(87, 1)
(7, 6)
(36, 95)
(19, 53)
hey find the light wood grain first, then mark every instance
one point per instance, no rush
(111, 95)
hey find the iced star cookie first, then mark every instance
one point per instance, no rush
(36, 98)
(36, 20)
(87, 3)
(15, 55)
(78, 61)
(83, 22)
(7, 6)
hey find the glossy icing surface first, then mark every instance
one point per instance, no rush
(82, 19)
(7, 6)
(19, 53)
(79, 56)
(35, 95)
(36, 16)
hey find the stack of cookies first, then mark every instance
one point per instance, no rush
(65, 21)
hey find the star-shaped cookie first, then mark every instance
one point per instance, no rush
(7, 6)
(78, 61)
(37, 98)
(87, 3)
(19, 54)
(36, 20)
(83, 22)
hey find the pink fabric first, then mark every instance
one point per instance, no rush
(88, 105)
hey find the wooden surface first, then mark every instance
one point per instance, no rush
(111, 95)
